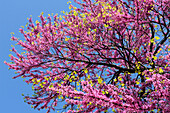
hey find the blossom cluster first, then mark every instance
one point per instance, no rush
(106, 55)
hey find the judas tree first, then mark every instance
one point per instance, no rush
(105, 56)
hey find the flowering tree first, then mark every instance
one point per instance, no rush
(105, 55)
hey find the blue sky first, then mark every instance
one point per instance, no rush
(14, 13)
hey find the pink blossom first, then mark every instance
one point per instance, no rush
(103, 55)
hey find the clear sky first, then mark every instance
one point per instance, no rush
(13, 14)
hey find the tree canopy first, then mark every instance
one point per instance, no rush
(104, 56)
